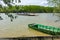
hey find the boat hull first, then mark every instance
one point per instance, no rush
(27, 14)
(49, 30)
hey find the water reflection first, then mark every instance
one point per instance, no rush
(12, 17)
(58, 15)
(1, 18)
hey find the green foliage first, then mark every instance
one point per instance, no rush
(28, 9)
(56, 4)
(6, 1)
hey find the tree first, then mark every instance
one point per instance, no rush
(9, 1)
(56, 4)
(6, 1)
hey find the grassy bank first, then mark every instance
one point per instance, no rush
(27, 9)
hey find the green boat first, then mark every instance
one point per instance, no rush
(46, 29)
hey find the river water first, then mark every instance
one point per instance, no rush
(17, 25)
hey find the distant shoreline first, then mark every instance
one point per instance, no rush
(29, 9)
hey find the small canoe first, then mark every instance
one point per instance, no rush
(46, 29)
(32, 14)
(27, 14)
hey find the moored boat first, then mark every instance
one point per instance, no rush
(46, 29)
(27, 14)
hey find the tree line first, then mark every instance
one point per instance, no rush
(28, 9)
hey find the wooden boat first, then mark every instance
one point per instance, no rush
(32, 14)
(46, 29)
(27, 14)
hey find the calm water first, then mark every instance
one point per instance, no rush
(17, 25)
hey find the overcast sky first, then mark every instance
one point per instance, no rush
(32, 2)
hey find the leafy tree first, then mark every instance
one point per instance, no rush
(6, 1)
(56, 4)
